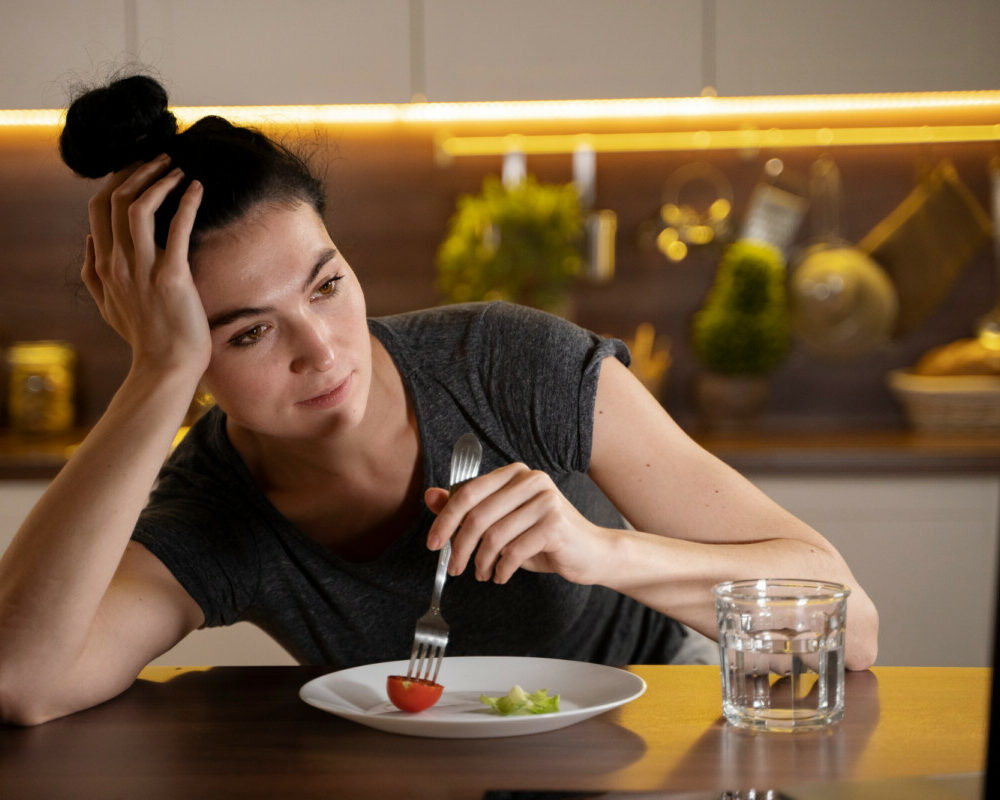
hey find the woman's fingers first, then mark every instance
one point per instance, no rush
(99, 212)
(179, 238)
(111, 226)
(107, 227)
(486, 515)
(488, 526)
(88, 273)
(123, 265)
(519, 553)
(436, 498)
(465, 498)
(515, 518)
(512, 540)
(140, 215)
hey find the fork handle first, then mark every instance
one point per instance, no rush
(439, 577)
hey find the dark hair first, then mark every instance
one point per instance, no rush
(115, 126)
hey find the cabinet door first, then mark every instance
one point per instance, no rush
(559, 49)
(16, 500)
(924, 548)
(258, 52)
(795, 47)
(49, 47)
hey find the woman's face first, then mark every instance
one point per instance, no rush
(291, 352)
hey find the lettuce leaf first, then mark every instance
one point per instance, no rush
(518, 701)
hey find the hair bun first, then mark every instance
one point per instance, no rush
(114, 126)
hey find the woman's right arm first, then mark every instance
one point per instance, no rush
(81, 609)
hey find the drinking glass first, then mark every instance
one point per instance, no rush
(781, 644)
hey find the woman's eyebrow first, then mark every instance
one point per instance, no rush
(325, 257)
(225, 317)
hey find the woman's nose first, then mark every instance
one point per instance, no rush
(314, 350)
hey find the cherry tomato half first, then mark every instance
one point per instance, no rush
(412, 694)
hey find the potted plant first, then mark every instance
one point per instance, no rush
(520, 244)
(742, 333)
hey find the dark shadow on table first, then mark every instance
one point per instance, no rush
(203, 734)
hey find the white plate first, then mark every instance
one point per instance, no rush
(585, 690)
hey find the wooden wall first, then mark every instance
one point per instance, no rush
(389, 204)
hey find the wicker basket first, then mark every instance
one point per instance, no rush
(948, 402)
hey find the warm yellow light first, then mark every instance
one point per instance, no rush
(163, 674)
(677, 251)
(699, 234)
(665, 238)
(360, 113)
(719, 209)
(549, 144)
(31, 118)
(989, 338)
(609, 109)
(685, 123)
(664, 108)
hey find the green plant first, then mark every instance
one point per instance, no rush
(743, 328)
(519, 244)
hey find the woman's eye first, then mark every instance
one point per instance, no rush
(250, 337)
(328, 287)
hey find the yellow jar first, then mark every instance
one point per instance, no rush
(41, 386)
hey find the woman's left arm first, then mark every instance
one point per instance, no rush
(697, 521)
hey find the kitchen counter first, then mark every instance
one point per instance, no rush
(34, 458)
(857, 451)
(31, 457)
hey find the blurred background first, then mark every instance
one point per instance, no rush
(785, 208)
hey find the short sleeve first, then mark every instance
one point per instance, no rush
(202, 531)
(540, 373)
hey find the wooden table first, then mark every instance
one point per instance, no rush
(243, 732)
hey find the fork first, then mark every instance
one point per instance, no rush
(431, 635)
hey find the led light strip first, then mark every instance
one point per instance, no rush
(747, 139)
(779, 121)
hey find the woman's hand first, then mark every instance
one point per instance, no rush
(511, 518)
(145, 293)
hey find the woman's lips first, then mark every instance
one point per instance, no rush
(329, 398)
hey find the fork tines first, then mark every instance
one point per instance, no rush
(427, 654)
(431, 635)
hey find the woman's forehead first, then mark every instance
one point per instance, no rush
(277, 235)
(269, 252)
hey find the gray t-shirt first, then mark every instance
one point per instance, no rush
(525, 383)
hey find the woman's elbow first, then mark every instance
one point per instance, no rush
(17, 707)
(27, 702)
(861, 649)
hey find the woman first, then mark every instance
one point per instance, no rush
(309, 500)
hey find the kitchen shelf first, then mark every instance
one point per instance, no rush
(856, 452)
(35, 457)
(40, 458)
